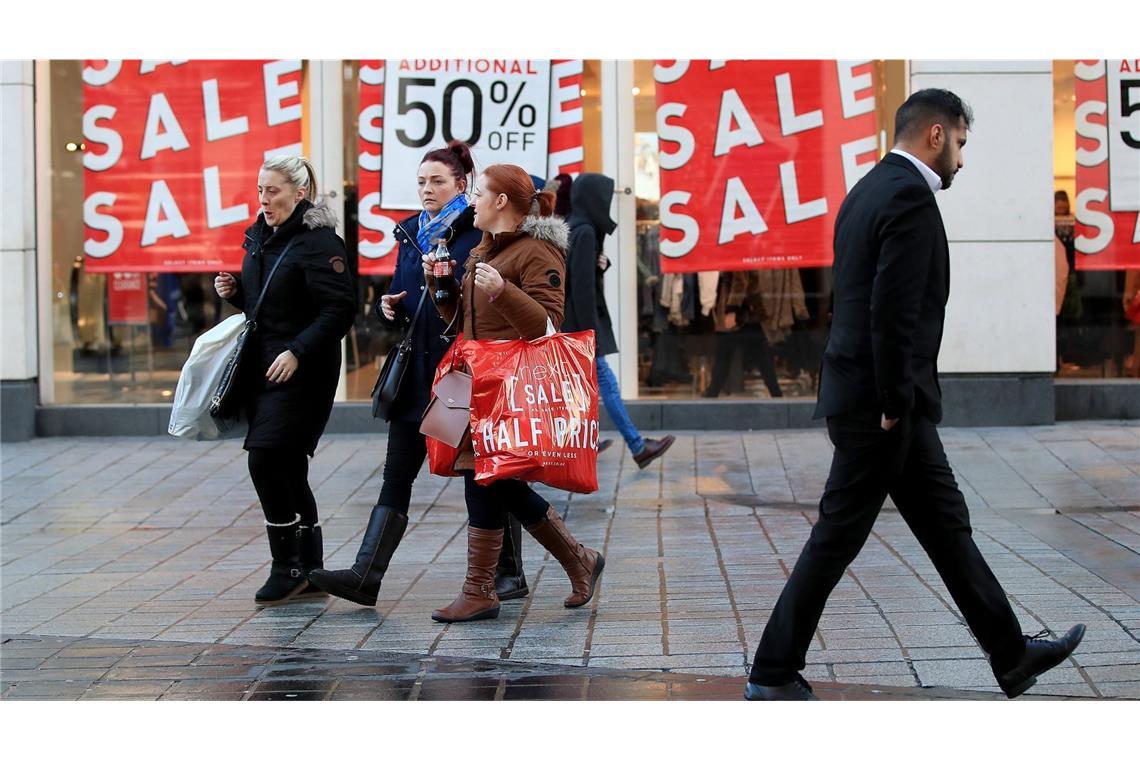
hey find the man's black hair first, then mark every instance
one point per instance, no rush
(931, 106)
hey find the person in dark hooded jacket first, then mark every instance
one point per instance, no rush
(291, 366)
(590, 222)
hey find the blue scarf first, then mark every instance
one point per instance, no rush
(432, 229)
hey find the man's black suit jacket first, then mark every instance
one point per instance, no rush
(891, 280)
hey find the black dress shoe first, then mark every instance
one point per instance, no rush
(654, 447)
(798, 690)
(1041, 654)
(605, 444)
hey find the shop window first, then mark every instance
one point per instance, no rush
(751, 333)
(121, 335)
(371, 338)
(1094, 337)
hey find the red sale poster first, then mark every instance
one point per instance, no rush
(172, 154)
(376, 244)
(561, 114)
(127, 301)
(756, 157)
(1107, 230)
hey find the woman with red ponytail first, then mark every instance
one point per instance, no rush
(512, 287)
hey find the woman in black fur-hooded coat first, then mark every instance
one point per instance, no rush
(291, 368)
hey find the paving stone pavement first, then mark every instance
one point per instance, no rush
(156, 539)
(86, 669)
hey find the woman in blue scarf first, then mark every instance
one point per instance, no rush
(444, 177)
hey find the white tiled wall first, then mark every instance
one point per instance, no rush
(999, 217)
(15, 72)
(1004, 192)
(17, 223)
(996, 321)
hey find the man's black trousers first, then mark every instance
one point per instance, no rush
(908, 463)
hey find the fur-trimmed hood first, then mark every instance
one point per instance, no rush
(314, 217)
(307, 216)
(320, 215)
(548, 228)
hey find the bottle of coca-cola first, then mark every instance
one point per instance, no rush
(443, 270)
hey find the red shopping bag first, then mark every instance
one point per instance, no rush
(441, 456)
(534, 410)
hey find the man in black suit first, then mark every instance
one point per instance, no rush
(879, 392)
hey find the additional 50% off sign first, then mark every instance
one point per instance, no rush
(501, 108)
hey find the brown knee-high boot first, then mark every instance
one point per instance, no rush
(583, 566)
(477, 600)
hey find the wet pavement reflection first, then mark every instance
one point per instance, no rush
(79, 668)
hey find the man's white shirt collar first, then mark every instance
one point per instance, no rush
(928, 174)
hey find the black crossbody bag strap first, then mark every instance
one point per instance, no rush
(416, 316)
(265, 287)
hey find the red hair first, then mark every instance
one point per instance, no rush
(516, 184)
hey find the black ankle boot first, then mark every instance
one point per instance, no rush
(312, 549)
(361, 582)
(510, 582)
(286, 581)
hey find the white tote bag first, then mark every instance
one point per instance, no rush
(190, 416)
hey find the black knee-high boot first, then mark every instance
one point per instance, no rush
(361, 582)
(510, 581)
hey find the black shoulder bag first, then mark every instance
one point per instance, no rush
(395, 365)
(391, 376)
(224, 403)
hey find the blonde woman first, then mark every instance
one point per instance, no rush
(291, 368)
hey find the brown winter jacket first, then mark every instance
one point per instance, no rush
(532, 263)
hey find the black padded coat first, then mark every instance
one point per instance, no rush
(308, 309)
